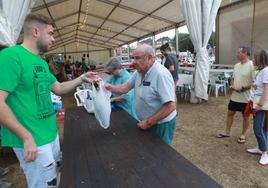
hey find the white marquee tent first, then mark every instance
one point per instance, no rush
(99, 26)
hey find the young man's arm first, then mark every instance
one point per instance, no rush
(9, 121)
(65, 87)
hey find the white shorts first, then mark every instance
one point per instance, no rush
(44, 169)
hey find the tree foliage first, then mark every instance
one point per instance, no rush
(185, 42)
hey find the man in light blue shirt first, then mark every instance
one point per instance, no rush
(154, 94)
(120, 76)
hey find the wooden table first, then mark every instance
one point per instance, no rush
(121, 156)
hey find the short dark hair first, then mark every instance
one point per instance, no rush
(246, 50)
(39, 18)
(165, 47)
(261, 59)
(35, 18)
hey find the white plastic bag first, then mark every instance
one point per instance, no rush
(102, 105)
(97, 102)
(83, 98)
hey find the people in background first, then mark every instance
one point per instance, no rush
(78, 69)
(68, 70)
(54, 68)
(170, 61)
(84, 66)
(120, 76)
(154, 94)
(244, 74)
(260, 95)
(26, 111)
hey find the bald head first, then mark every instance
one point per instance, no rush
(144, 57)
(146, 50)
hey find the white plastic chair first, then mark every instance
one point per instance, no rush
(216, 85)
(184, 85)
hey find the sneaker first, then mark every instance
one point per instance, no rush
(254, 151)
(264, 159)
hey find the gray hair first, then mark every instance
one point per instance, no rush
(148, 50)
(113, 63)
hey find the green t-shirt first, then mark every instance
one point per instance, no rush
(84, 66)
(27, 79)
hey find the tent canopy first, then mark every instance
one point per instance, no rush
(92, 25)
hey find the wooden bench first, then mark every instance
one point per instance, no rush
(121, 156)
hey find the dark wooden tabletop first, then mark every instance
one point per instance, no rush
(121, 156)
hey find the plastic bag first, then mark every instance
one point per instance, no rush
(102, 105)
(97, 102)
(83, 98)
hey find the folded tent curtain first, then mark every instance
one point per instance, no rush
(12, 16)
(200, 16)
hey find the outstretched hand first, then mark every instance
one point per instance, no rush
(90, 77)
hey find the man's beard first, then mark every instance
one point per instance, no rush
(42, 47)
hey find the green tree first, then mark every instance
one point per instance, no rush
(185, 42)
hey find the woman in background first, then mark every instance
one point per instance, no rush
(120, 76)
(261, 96)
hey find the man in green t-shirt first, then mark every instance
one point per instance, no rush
(26, 110)
(84, 65)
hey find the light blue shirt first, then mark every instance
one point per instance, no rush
(153, 91)
(128, 104)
